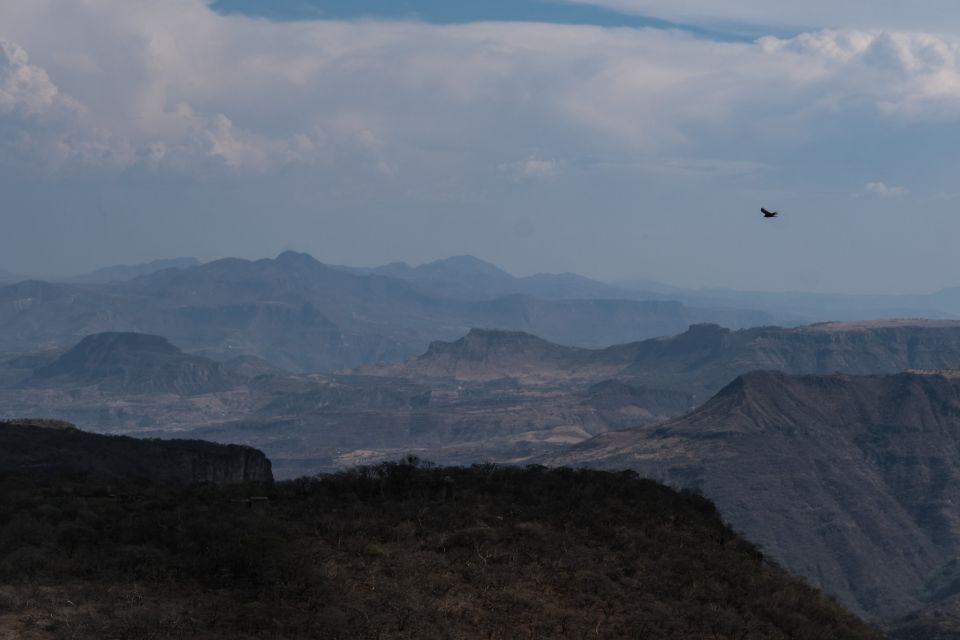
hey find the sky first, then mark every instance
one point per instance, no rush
(620, 139)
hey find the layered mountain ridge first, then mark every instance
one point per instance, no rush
(490, 395)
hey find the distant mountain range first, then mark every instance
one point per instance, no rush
(302, 315)
(468, 277)
(849, 481)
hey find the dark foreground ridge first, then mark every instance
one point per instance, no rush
(49, 449)
(396, 551)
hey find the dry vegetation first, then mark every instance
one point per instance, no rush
(399, 550)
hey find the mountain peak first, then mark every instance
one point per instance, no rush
(296, 258)
(466, 265)
(481, 343)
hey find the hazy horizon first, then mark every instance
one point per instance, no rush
(616, 139)
(626, 282)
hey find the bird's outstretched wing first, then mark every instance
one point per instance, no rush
(767, 213)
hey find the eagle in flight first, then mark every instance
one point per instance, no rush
(768, 214)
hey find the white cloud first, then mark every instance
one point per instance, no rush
(532, 168)
(908, 75)
(24, 88)
(40, 123)
(883, 190)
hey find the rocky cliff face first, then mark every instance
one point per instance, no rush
(48, 449)
(849, 481)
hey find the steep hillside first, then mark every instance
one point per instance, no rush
(393, 552)
(848, 481)
(47, 450)
(133, 363)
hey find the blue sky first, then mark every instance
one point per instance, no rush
(435, 11)
(615, 138)
(454, 12)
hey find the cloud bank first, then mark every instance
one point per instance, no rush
(883, 190)
(177, 85)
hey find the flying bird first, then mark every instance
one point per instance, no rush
(768, 214)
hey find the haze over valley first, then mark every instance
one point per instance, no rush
(497, 320)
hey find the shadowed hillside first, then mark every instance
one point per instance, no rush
(396, 551)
